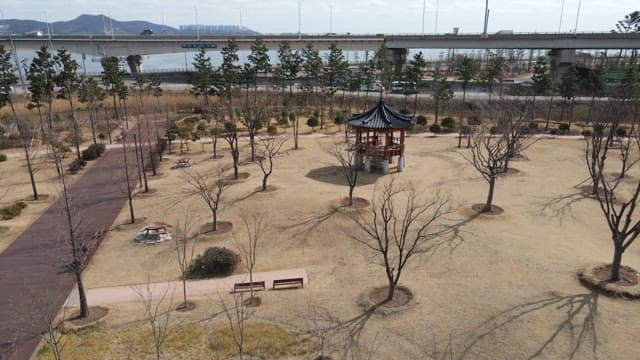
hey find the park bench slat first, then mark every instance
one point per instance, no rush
(288, 283)
(256, 285)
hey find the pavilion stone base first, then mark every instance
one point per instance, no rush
(400, 163)
(381, 164)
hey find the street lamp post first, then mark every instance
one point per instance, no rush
(330, 19)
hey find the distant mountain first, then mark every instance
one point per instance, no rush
(92, 25)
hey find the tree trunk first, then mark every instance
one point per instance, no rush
(76, 128)
(214, 141)
(214, 214)
(546, 125)
(25, 147)
(351, 188)
(615, 264)
(488, 206)
(84, 308)
(92, 121)
(390, 291)
(126, 174)
(264, 182)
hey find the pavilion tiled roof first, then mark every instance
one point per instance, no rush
(382, 117)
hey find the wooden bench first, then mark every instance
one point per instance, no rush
(256, 286)
(292, 283)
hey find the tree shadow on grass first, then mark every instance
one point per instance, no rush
(333, 175)
(578, 320)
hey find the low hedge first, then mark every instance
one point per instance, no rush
(77, 165)
(3, 157)
(93, 152)
(214, 262)
(11, 211)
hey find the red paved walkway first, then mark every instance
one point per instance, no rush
(31, 282)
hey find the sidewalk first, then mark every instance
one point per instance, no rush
(120, 294)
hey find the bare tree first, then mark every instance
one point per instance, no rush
(617, 200)
(401, 226)
(348, 158)
(54, 336)
(209, 189)
(125, 170)
(72, 222)
(185, 243)
(255, 227)
(156, 315)
(513, 124)
(488, 156)
(253, 115)
(230, 135)
(236, 316)
(269, 148)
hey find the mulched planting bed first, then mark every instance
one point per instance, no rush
(358, 203)
(495, 210)
(270, 189)
(189, 307)
(96, 314)
(257, 301)
(41, 197)
(597, 278)
(222, 227)
(510, 171)
(241, 177)
(402, 299)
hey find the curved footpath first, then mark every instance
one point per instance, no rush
(32, 285)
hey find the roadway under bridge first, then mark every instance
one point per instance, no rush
(564, 45)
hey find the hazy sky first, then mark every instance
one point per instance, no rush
(355, 16)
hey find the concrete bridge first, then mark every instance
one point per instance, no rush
(564, 44)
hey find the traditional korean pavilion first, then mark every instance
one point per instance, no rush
(380, 137)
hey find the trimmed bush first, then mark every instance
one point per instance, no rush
(586, 133)
(621, 132)
(448, 123)
(435, 128)
(563, 128)
(214, 262)
(533, 126)
(11, 211)
(553, 131)
(474, 121)
(77, 165)
(466, 130)
(494, 130)
(313, 122)
(272, 129)
(422, 120)
(339, 119)
(93, 152)
(3, 157)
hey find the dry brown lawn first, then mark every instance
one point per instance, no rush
(507, 290)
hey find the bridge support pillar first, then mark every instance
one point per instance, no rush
(560, 60)
(398, 58)
(135, 63)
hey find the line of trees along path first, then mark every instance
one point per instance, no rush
(33, 265)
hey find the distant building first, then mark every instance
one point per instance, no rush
(216, 29)
(4, 29)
